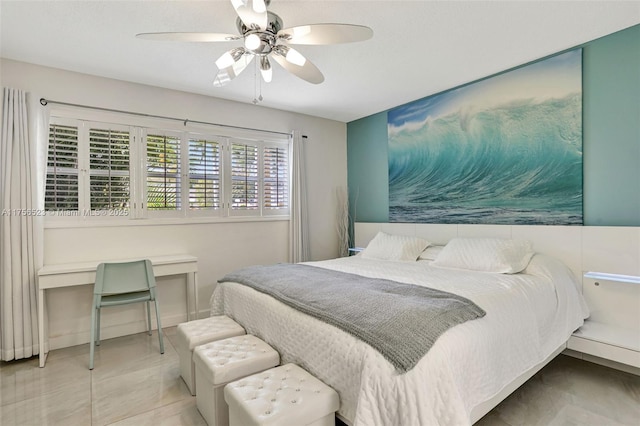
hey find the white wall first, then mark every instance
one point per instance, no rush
(220, 247)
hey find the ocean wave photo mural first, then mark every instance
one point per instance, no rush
(505, 150)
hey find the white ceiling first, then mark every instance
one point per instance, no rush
(419, 47)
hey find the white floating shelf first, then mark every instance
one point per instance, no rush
(613, 277)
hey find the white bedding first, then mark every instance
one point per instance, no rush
(529, 315)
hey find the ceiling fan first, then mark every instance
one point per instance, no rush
(264, 38)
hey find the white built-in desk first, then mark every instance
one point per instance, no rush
(83, 273)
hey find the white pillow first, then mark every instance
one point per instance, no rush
(394, 247)
(486, 255)
(430, 253)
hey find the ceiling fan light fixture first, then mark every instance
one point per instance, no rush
(224, 61)
(295, 57)
(252, 41)
(265, 69)
(229, 58)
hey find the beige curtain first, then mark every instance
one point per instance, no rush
(299, 222)
(21, 184)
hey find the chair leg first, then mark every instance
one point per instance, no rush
(98, 327)
(93, 337)
(149, 318)
(159, 327)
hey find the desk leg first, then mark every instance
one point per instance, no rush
(192, 284)
(195, 294)
(41, 330)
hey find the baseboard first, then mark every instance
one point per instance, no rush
(204, 313)
(109, 332)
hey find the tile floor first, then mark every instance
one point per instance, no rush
(132, 384)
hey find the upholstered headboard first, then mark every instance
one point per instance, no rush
(582, 248)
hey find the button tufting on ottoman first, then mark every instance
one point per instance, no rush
(220, 362)
(285, 395)
(194, 333)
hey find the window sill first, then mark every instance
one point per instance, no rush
(100, 223)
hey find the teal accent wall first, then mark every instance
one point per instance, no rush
(611, 129)
(368, 169)
(611, 140)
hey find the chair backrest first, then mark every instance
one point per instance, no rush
(124, 277)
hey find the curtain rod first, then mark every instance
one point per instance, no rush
(44, 102)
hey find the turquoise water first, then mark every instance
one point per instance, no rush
(518, 163)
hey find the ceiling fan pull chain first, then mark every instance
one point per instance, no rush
(260, 82)
(255, 83)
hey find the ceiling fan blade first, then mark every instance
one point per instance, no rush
(225, 75)
(325, 34)
(307, 71)
(196, 37)
(252, 12)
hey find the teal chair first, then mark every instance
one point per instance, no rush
(122, 284)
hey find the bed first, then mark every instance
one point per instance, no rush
(530, 314)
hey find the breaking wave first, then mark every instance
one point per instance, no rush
(519, 163)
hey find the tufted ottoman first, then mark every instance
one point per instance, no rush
(194, 333)
(220, 362)
(282, 396)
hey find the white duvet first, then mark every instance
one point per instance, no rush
(529, 315)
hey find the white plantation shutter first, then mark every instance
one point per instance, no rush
(244, 178)
(163, 172)
(275, 172)
(109, 169)
(61, 192)
(204, 174)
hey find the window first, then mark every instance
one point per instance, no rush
(276, 178)
(87, 168)
(163, 172)
(109, 169)
(98, 169)
(244, 177)
(204, 174)
(62, 169)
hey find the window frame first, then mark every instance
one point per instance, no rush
(139, 128)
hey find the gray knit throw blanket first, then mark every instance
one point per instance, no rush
(401, 321)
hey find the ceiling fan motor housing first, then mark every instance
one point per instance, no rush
(267, 36)
(273, 26)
